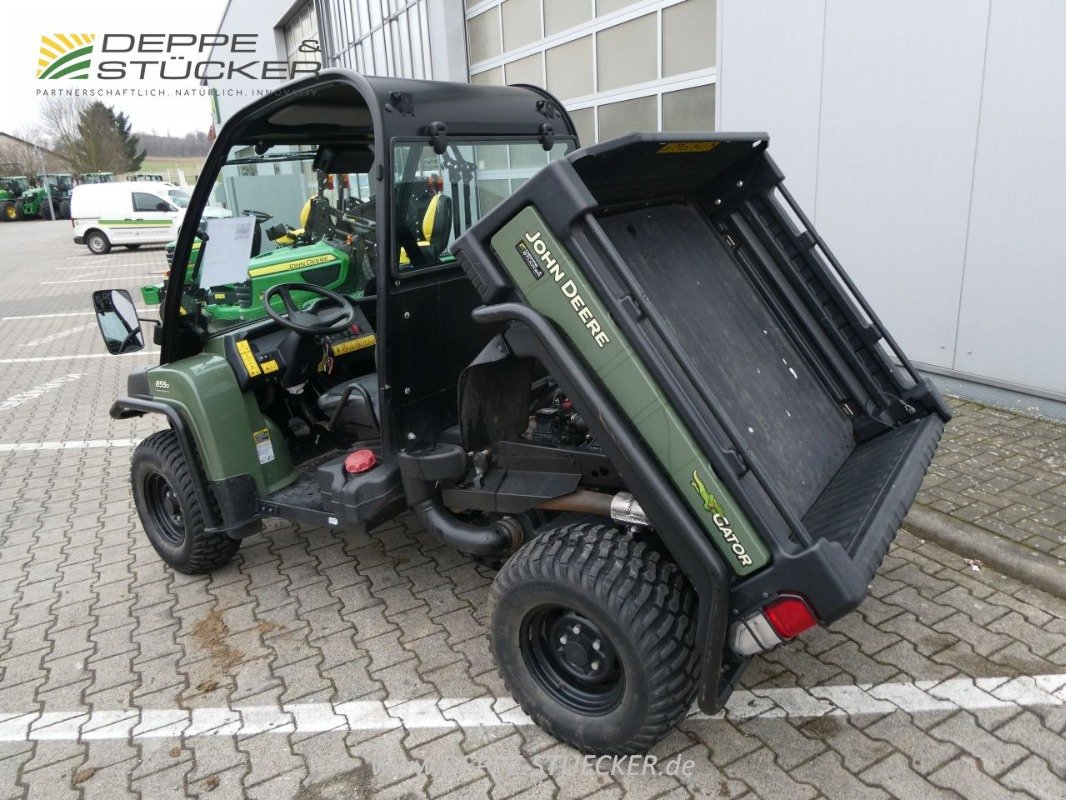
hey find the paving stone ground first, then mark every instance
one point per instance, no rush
(1004, 472)
(306, 620)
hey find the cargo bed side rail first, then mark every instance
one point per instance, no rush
(820, 257)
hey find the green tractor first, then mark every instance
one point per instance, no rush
(34, 204)
(11, 189)
(632, 376)
(98, 177)
(334, 247)
(60, 185)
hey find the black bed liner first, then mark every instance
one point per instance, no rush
(804, 405)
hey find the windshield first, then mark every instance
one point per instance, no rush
(307, 214)
(437, 197)
(273, 218)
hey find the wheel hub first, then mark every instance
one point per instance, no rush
(171, 505)
(573, 659)
(164, 507)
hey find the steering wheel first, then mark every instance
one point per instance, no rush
(260, 216)
(319, 322)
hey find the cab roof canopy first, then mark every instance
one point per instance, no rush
(342, 104)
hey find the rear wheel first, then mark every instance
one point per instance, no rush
(593, 633)
(64, 209)
(98, 243)
(46, 211)
(170, 512)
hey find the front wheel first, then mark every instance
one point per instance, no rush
(170, 512)
(98, 243)
(594, 635)
(9, 212)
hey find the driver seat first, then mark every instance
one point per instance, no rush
(352, 406)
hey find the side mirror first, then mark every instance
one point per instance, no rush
(117, 317)
(161, 206)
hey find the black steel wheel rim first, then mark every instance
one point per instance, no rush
(572, 660)
(164, 507)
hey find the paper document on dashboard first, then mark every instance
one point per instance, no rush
(226, 251)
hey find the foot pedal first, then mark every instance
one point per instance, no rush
(297, 427)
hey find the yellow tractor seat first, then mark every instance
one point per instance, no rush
(436, 228)
(291, 235)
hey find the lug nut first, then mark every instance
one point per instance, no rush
(595, 665)
(576, 629)
(562, 639)
(596, 644)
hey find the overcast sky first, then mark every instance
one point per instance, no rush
(27, 21)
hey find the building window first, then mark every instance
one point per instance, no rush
(618, 65)
(377, 37)
(689, 109)
(301, 27)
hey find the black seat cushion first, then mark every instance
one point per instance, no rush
(359, 414)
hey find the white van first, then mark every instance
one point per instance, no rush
(129, 213)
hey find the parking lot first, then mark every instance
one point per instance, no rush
(322, 665)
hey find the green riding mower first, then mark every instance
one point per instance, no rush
(632, 376)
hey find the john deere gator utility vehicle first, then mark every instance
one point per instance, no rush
(636, 378)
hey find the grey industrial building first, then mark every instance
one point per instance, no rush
(923, 138)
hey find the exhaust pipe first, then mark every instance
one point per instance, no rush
(621, 507)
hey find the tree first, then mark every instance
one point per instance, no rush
(104, 142)
(60, 116)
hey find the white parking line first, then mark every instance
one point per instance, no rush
(95, 280)
(72, 444)
(29, 360)
(58, 335)
(64, 314)
(916, 697)
(16, 400)
(46, 316)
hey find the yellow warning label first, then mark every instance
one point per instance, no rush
(285, 266)
(220, 295)
(269, 366)
(687, 147)
(351, 345)
(251, 366)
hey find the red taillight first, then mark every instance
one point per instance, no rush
(789, 617)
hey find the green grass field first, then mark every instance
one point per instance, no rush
(191, 165)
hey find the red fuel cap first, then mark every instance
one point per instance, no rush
(359, 461)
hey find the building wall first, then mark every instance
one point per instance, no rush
(617, 65)
(403, 38)
(18, 155)
(923, 139)
(261, 17)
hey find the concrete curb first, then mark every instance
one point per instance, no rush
(1014, 560)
